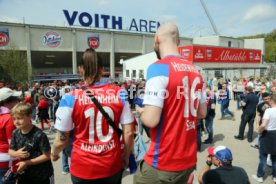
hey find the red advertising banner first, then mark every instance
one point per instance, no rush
(220, 54)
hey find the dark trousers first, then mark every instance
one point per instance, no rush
(115, 179)
(198, 136)
(209, 126)
(263, 158)
(247, 118)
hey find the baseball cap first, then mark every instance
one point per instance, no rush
(221, 152)
(5, 93)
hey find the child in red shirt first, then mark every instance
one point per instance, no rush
(42, 112)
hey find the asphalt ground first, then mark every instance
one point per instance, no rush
(224, 130)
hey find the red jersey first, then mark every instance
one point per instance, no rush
(43, 104)
(6, 129)
(97, 149)
(175, 85)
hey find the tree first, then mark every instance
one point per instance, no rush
(270, 45)
(14, 65)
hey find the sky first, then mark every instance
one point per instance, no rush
(232, 17)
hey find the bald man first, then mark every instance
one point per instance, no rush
(173, 101)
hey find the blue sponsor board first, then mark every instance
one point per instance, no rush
(55, 77)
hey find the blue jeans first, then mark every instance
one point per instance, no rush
(2, 173)
(209, 126)
(263, 158)
(64, 161)
(33, 112)
(224, 110)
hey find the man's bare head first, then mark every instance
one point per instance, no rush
(168, 31)
(167, 35)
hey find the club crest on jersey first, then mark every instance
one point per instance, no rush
(190, 124)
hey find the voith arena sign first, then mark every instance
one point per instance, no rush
(86, 19)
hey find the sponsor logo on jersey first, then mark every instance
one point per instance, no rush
(52, 39)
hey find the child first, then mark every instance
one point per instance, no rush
(32, 147)
(42, 112)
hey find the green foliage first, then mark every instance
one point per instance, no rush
(270, 45)
(14, 66)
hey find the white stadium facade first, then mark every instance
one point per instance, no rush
(52, 50)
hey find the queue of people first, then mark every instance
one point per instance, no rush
(95, 120)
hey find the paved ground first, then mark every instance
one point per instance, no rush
(224, 130)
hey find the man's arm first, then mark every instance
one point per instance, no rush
(150, 115)
(202, 110)
(202, 107)
(40, 159)
(59, 144)
(206, 168)
(128, 132)
(262, 126)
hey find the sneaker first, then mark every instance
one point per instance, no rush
(256, 146)
(64, 172)
(258, 179)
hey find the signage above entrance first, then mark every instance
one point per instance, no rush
(86, 19)
(51, 39)
(220, 54)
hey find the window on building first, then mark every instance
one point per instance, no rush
(141, 74)
(218, 74)
(229, 43)
(127, 73)
(262, 72)
(134, 73)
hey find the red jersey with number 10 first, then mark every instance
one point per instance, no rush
(173, 84)
(97, 149)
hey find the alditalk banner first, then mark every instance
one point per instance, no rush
(220, 54)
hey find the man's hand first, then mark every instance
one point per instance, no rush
(140, 110)
(54, 157)
(125, 160)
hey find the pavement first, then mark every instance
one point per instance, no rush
(224, 130)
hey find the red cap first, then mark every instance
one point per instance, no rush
(211, 151)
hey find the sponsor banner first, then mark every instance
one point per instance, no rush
(51, 39)
(4, 37)
(93, 41)
(221, 54)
